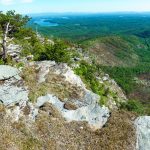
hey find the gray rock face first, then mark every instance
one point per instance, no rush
(58, 69)
(10, 94)
(87, 107)
(7, 72)
(14, 50)
(89, 98)
(44, 69)
(143, 133)
(95, 115)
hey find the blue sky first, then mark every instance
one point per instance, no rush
(37, 6)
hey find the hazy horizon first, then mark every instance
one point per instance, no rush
(107, 12)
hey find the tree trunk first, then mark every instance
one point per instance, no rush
(4, 43)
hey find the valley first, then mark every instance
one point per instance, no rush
(118, 42)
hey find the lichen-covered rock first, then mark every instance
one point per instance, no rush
(143, 132)
(12, 92)
(10, 95)
(95, 115)
(62, 69)
(7, 72)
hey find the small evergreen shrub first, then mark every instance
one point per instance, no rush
(56, 52)
(20, 64)
(134, 106)
(88, 73)
(1, 62)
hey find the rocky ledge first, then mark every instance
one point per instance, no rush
(14, 92)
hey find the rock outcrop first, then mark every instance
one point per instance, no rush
(10, 93)
(13, 94)
(86, 102)
(95, 115)
(14, 51)
(8, 72)
(143, 133)
(64, 88)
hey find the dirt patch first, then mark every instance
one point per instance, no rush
(50, 110)
(2, 108)
(26, 110)
(70, 106)
(2, 82)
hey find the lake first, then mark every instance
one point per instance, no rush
(45, 23)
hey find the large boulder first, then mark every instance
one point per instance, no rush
(10, 93)
(7, 72)
(95, 115)
(143, 132)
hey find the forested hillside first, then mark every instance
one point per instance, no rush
(79, 27)
(127, 60)
(119, 43)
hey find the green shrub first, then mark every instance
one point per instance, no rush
(1, 62)
(43, 50)
(134, 106)
(56, 52)
(20, 64)
(26, 48)
(103, 100)
(147, 109)
(26, 33)
(88, 73)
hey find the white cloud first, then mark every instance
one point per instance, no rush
(10, 2)
(6, 2)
